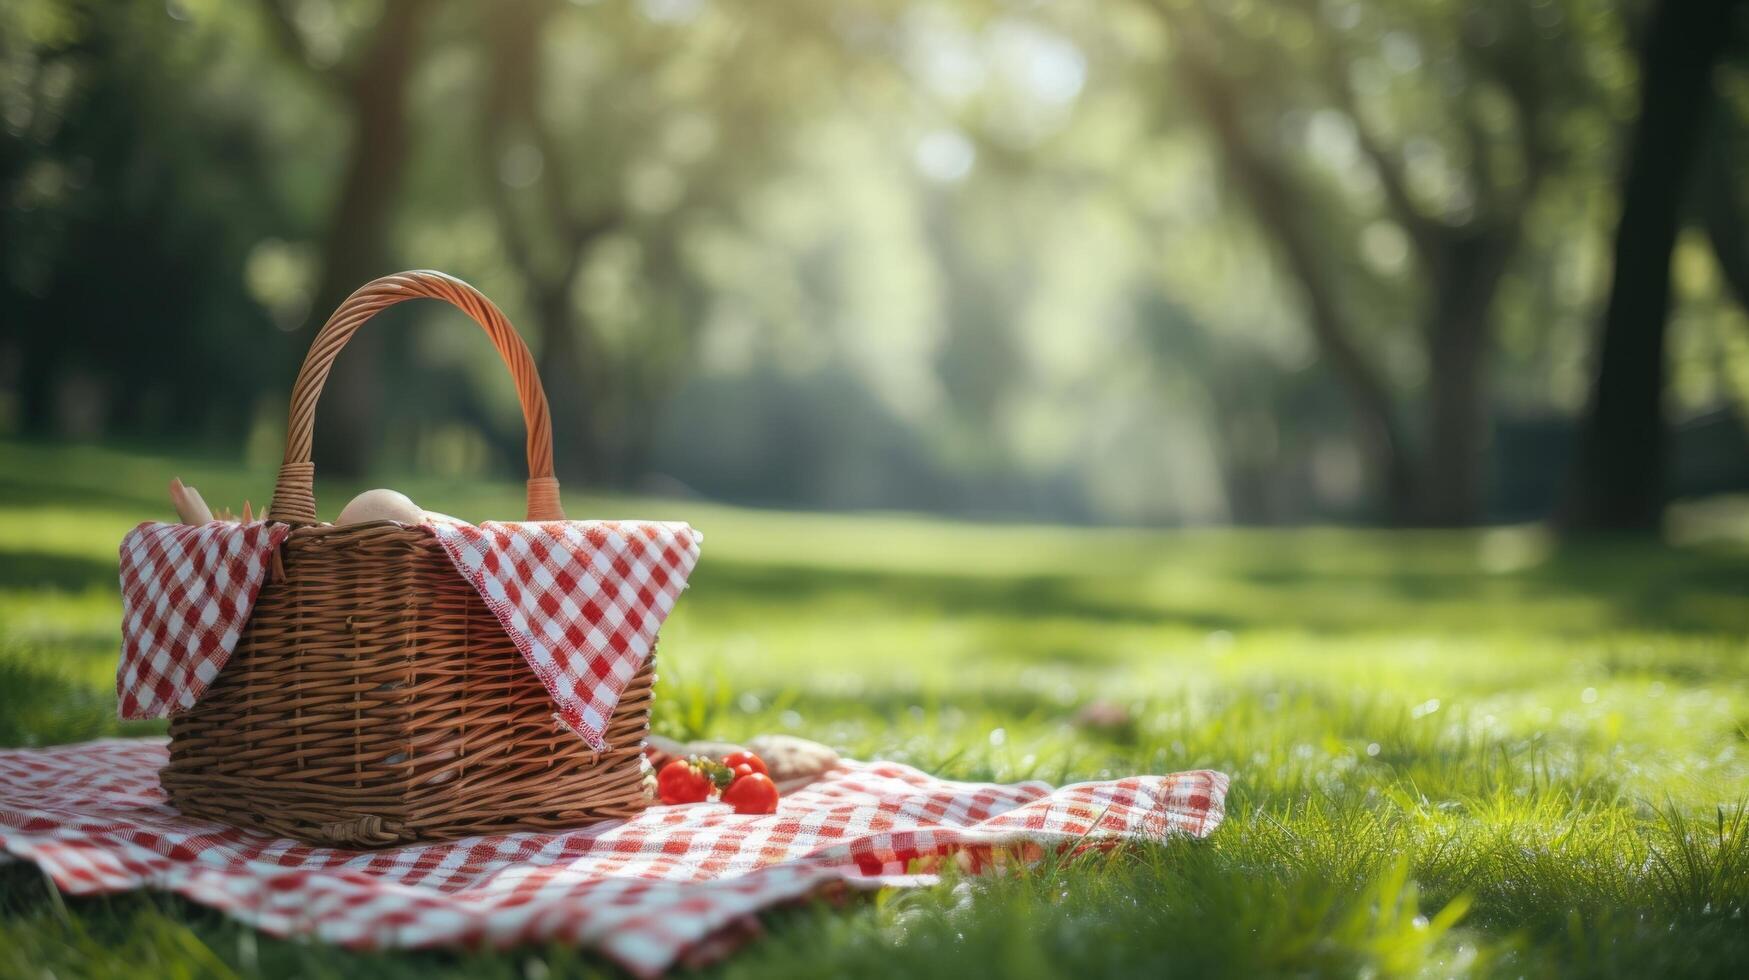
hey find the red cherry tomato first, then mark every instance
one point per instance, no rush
(681, 782)
(741, 770)
(752, 793)
(746, 758)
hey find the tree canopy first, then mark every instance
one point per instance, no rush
(1148, 261)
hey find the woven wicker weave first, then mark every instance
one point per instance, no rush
(373, 698)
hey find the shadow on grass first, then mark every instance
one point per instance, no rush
(1653, 586)
(19, 493)
(1636, 587)
(1642, 585)
(729, 585)
(47, 569)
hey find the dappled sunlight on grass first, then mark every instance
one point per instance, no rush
(1452, 752)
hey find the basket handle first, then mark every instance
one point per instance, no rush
(294, 497)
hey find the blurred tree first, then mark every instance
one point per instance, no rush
(364, 69)
(1286, 220)
(1620, 473)
(1453, 153)
(955, 254)
(1722, 205)
(546, 243)
(980, 363)
(617, 159)
(122, 292)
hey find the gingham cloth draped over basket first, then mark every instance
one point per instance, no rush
(669, 882)
(582, 601)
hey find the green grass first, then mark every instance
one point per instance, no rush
(1452, 753)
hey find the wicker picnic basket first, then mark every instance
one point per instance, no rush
(373, 699)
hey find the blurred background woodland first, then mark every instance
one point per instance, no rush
(1131, 261)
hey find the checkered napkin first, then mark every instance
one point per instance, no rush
(674, 882)
(582, 600)
(186, 592)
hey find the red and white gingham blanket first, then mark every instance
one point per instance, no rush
(581, 599)
(675, 881)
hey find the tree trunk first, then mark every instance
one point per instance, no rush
(1272, 201)
(1452, 480)
(1721, 205)
(355, 249)
(1459, 335)
(46, 366)
(567, 364)
(1618, 480)
(572, 386)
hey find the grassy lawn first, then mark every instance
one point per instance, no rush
(1452, 753)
